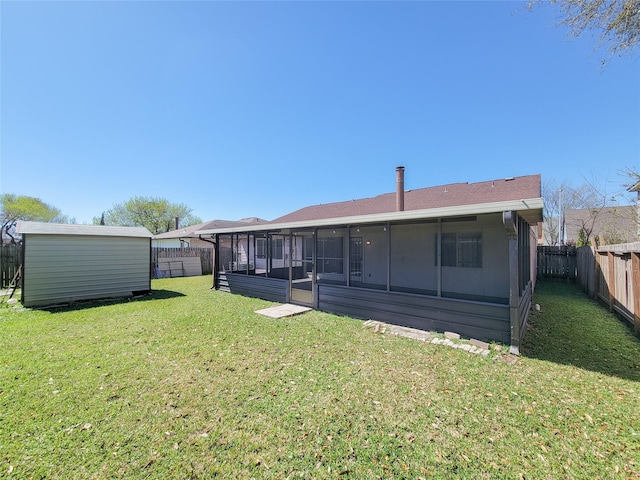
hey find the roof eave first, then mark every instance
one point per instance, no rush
(530, 209)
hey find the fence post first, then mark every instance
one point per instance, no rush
(635, 288)
(612, 279)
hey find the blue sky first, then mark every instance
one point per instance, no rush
(259, 108)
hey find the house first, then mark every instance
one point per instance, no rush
(186, 237)
(458, 257)
(613, 224)
(65, 263)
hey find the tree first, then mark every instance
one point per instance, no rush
(158, 215)
(617, 21)
(559, 198)
(21, 207)
(582, 239)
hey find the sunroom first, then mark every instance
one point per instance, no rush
(466, 269)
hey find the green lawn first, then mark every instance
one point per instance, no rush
(190, 383)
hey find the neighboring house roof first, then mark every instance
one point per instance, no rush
(522, 194)
(190, 231)
(618, 222)
(44, 228)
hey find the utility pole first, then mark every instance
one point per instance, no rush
(561, 239)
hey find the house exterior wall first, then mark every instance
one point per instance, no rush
(413, 258)
(65, 268)
(472, 319)
(403, 277)
(489, 282)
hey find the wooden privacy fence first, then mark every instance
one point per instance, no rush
(611, 273)
(10, 258)
(557, 262)
(179, 262)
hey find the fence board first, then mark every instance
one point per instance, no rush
(610, 274)
(10, 258)
(557, 262)
(204, 254)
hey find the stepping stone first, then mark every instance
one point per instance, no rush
(281, 311)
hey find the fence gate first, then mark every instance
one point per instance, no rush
(557, 262)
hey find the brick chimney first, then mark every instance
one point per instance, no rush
(399, 189)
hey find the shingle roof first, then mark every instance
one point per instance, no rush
(620, 222)
(455, 194)
(189, 232)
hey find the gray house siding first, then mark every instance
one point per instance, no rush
(65, 268)
(273, 289)
(473, 319)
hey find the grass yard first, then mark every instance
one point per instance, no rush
(190, 383)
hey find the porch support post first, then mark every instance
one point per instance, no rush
(269, 266)
(255, 251)
(509, 219)
(439, 257)
(216, 263)
(611, 284)
(290, 266)
(248, 248)
(314, 280)
(233, 254)
(348, 256)
(388, 229)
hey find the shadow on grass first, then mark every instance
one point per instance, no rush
(87, 304)
(573, 329)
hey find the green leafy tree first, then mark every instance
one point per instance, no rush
(583, 240)
(21, 207)
(156, 214)
(617, 21)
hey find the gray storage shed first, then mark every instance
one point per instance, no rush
(66, 263)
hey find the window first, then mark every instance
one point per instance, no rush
(277, 248)
(261, 248)
(462, 250)
(330, 255)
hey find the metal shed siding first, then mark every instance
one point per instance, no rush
(64, 268)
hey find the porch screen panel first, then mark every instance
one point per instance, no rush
(224, 251)
(330, 255)
(413, 248)
(278, 256)
(330, 260)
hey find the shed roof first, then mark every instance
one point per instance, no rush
(522, 194)
(44, 228)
